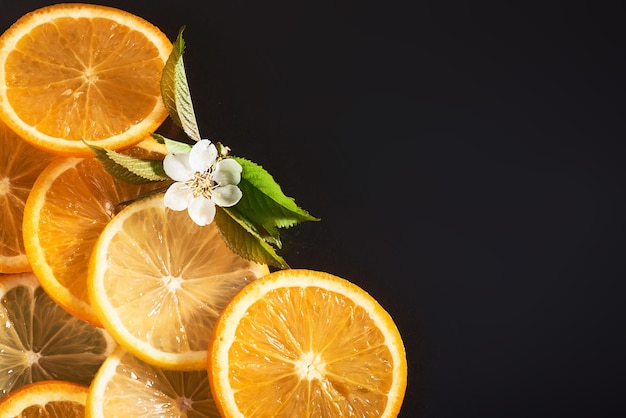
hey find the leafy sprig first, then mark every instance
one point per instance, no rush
(251, 228)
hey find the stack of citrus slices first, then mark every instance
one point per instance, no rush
(113, 304)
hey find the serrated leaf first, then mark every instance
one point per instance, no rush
(265, 204)
(129, 169)
(242, 240)
(175, 90)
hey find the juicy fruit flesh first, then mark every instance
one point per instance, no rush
(46, 399)
(322, 373)
(40, 341)
(153, 265)
(79, 201)
(135, 387)
(20, 163)
(73, 95)
(332, 364)
(174, 280)
(55, 409)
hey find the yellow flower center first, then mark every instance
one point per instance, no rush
(201, 184)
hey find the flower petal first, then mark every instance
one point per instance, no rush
(227, 171)
(177, 167)
(201, 210)
(226, 196)
(177, 196)
(202, 155)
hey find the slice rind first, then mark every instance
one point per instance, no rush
(158, 282)
(75, 71)
(318, 344)
(50, 398)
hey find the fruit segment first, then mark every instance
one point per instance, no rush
(20, 164)
(158, 281)
(74, 72)
(41, 341)
(317, 343)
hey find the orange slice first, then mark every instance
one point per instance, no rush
(52, 398)
(41, 341)
(128, 387)
(158, 282)
(71, 72)
(70, 203)
(20, 164)
(315, 344)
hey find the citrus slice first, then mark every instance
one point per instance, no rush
(50, 398)
(316, 344)
(20, 164)
(70, 203)
(40, 341)
(158, 281)
(126, 386)
(72, 71)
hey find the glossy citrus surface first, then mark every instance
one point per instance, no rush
(158, 282)
(71, 72)
(315, 344)
(20, 164)
(41, 341)
(70, 203)
(46, 399)
(128, 387)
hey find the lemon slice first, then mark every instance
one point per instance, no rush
(158, 281)
(126, 386)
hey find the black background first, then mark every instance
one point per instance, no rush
(466, 161)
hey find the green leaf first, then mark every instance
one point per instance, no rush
(129, 169)
(175, 90)
(168, 77)
(243, 240)
(173, 146)
(265, 205)
(176, 147)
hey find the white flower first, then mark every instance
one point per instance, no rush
(202, 180)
